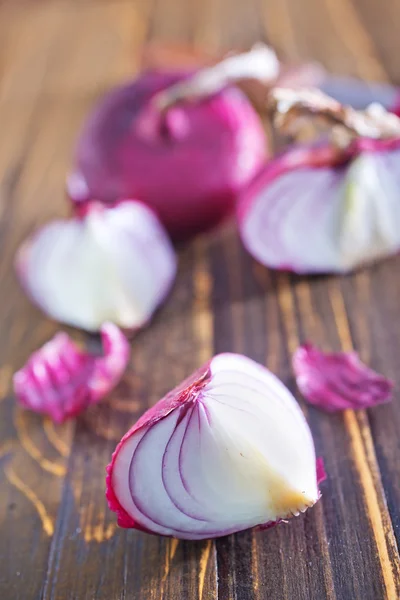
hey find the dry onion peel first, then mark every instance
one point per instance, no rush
(226, 450)
(330, 205)
(165, 56)
(339, 380)
(111, 264)
(184, 143)
(61, 380)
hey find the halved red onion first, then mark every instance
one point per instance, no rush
(226, 450)
(339, 380)
(61, 380)
(324, 208)
(111, 264)
(183, 143)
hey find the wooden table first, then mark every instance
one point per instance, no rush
(58, 539)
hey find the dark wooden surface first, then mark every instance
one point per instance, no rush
(58, 540)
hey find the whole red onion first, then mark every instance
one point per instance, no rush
(188, 162)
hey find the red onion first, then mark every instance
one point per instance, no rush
(327, 206)
(336, 381)
(61, 381)
(112, 264)
(226, 450)
(183, 143)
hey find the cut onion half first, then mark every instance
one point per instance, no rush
(228, 449)
(310, 211)
(329, 205)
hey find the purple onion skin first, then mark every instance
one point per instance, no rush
(61, 380)
(338, 380)
(188, 165)
(176, 397)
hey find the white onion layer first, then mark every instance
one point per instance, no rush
(235, 453)
(326, 219)
(114, 264)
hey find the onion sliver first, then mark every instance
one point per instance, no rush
(111, 264)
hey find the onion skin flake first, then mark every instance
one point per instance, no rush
(339, 380)
(61, 381)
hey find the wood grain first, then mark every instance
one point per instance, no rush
(58, 539)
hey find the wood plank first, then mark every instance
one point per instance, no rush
(59, 540)
(352, 438)
(61, 48)
(381, 27)
(375, 339)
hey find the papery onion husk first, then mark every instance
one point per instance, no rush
(320, 207)
(110, 264)
(166, 56)
(61, 381)
(338, 380)
(226, 450)
(186, 155)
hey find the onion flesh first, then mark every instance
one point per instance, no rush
(112, 264)
(61, 380)
(227, 450)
